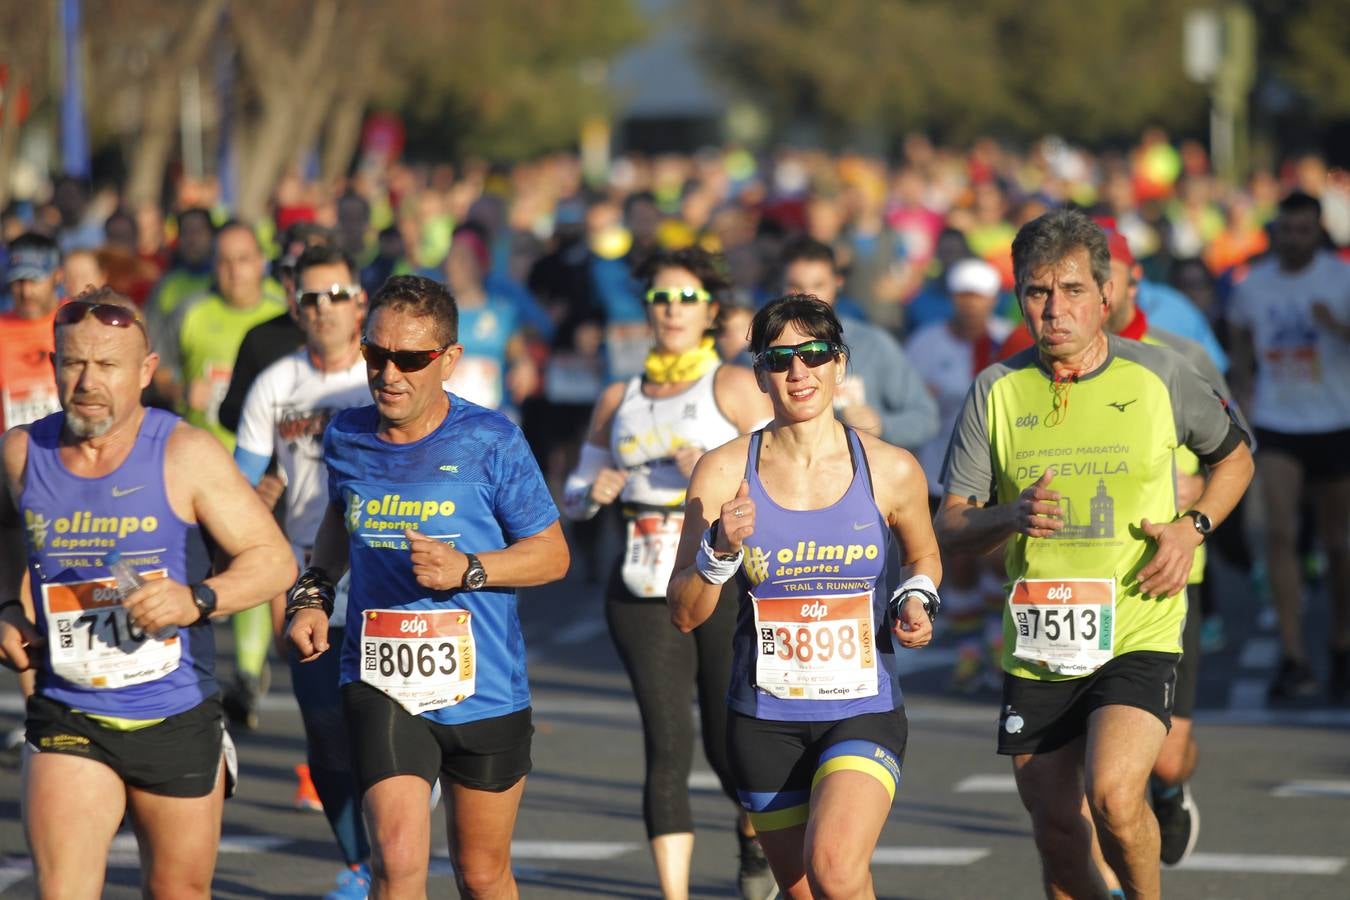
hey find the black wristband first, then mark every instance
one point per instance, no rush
(8, 603)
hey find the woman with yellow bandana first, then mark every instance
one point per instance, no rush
(646, 435)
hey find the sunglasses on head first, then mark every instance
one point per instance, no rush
(107, 313)
(680, 295)
(811, 353)
(337, 293)
(378, 357)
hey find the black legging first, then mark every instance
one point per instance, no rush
(665, 667)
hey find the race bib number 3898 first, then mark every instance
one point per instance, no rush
(424, 659)
(816, 648)
(93, 643)
(1067, 626)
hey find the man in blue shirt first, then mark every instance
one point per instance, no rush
(441, 512)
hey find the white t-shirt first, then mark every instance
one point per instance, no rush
(946, 363)
(1302, 370)
(285, 413)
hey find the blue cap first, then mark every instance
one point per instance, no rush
(33, 263)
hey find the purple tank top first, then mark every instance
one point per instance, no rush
(71, 524)
(812, 639)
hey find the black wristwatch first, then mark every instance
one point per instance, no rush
(1201, 522)
(205, 599)
(474, 576)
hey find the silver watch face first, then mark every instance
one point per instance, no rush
(475, 577)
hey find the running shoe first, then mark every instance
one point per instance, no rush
(754, 879)
(1178, 822)
(352, 884)
(1293, 681)
(306, 795)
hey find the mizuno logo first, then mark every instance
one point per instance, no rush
(119, 492)
(450, 469)
(859, 526)
(1121, 406)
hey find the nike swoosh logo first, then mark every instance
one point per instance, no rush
(858, 527)
(118, 492)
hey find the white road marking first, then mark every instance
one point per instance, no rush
(1260, 653)
(1262, 863)
(1313, 789)
(928, 856)
(987, 784)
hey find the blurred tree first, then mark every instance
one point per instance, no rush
(26, 34)
(1313, 53)
(504, 80)
(138, 56)
(957, 67)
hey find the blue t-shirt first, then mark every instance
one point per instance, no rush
(471, 483)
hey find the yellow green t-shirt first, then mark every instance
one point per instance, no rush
(1112, 446)
(208, 342)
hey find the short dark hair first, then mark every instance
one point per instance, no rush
(704, 266)
(1048, 238)
(32, 240)
(419, 297)
(806, 311)
(196, 212)
(808, 249)
(1301, 201)
(325, 255)
(238, 225)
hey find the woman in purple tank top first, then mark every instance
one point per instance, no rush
(828, 535)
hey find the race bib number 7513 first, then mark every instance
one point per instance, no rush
(1067, 626)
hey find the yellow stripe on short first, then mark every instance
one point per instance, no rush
(779, 819)
(856, 764)
(117, 723)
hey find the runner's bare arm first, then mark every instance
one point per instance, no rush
(716, 481)
(902, 497)
(967, 525)
(1166, 573)
(534, 560)
(205, 486)
(331, 550)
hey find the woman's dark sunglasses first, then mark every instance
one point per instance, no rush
(670, 295)
(404, 360)
(811, 353)
(337, 293)
(107, 313)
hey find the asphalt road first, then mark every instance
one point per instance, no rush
(1273, 786)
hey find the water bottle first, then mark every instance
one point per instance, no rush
(128, 579)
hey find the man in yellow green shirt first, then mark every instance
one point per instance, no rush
(1066, 452)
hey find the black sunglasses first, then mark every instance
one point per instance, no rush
(338, 293)
(811, 353)
(107, 313)
(404, 360)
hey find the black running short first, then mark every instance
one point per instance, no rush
(488, 755)
(777, 764)
(1322, 453)
(178, 757)
(1042, 716)
(1188, 667)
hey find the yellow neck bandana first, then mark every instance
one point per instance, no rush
(670, 368)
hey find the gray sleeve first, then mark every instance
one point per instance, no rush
(1203, 421)
(968, 470)
(1194, 353)
(164, 337)
(909, 414)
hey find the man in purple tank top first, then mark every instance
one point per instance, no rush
(108, 500)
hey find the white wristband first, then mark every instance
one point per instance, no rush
(921, 584)
(712, 569)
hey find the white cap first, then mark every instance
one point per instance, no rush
(973, 276)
